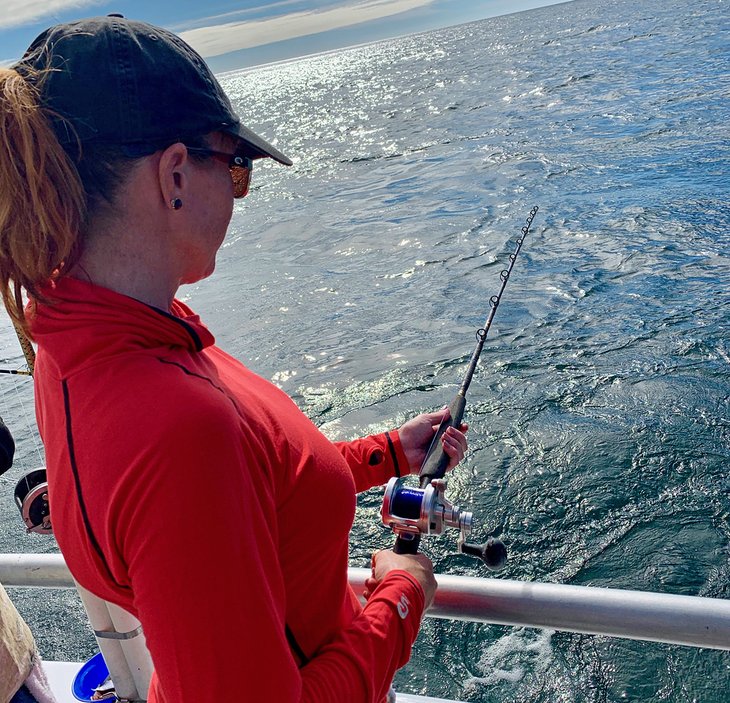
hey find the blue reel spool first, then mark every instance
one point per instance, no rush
(406, 503)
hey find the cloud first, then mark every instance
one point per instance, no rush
(241, 12)
(17, 12)
(232, 36)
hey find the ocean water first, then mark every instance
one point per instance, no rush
(600, 413)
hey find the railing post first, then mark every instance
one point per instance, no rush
(122, 644)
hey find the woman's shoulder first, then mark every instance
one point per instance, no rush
(166, 390)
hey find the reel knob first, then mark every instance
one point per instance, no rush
(493, 553)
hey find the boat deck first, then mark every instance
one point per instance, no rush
(61, 676)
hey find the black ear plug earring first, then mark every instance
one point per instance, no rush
(176, 203)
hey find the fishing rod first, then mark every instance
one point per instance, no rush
(412, 512)
(26, 346)
(28, 353)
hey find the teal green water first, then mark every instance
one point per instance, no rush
(600, 415)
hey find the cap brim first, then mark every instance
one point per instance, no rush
(260, 147)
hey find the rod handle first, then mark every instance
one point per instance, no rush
(407, 545)
(436, 461)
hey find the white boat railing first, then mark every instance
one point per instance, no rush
(659, 617)
(639, 615)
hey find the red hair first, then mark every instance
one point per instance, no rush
(42, 199)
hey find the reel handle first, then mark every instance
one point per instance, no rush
(493, 553)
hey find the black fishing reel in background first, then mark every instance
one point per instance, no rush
(7, 448)
(31, 497)
(31, 491)
(411, 512)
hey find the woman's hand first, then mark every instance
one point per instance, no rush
(417, 565)
(416, 435)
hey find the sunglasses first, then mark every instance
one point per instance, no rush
(239, 166)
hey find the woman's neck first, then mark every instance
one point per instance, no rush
(130, 259)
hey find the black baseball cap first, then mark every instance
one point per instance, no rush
(130, 84)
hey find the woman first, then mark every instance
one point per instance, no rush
(184, 488)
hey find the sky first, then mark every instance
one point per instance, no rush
(232, 34)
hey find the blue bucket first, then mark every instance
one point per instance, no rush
(92, 674)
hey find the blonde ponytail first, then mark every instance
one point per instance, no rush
(42, 200)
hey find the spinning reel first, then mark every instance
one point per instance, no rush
(412, 512)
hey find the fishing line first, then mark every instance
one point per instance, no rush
(30, 425)
(31, 490)
(29, 354)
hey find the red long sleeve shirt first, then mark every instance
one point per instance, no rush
(197, 496)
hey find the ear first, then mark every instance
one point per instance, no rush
(173, 172)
